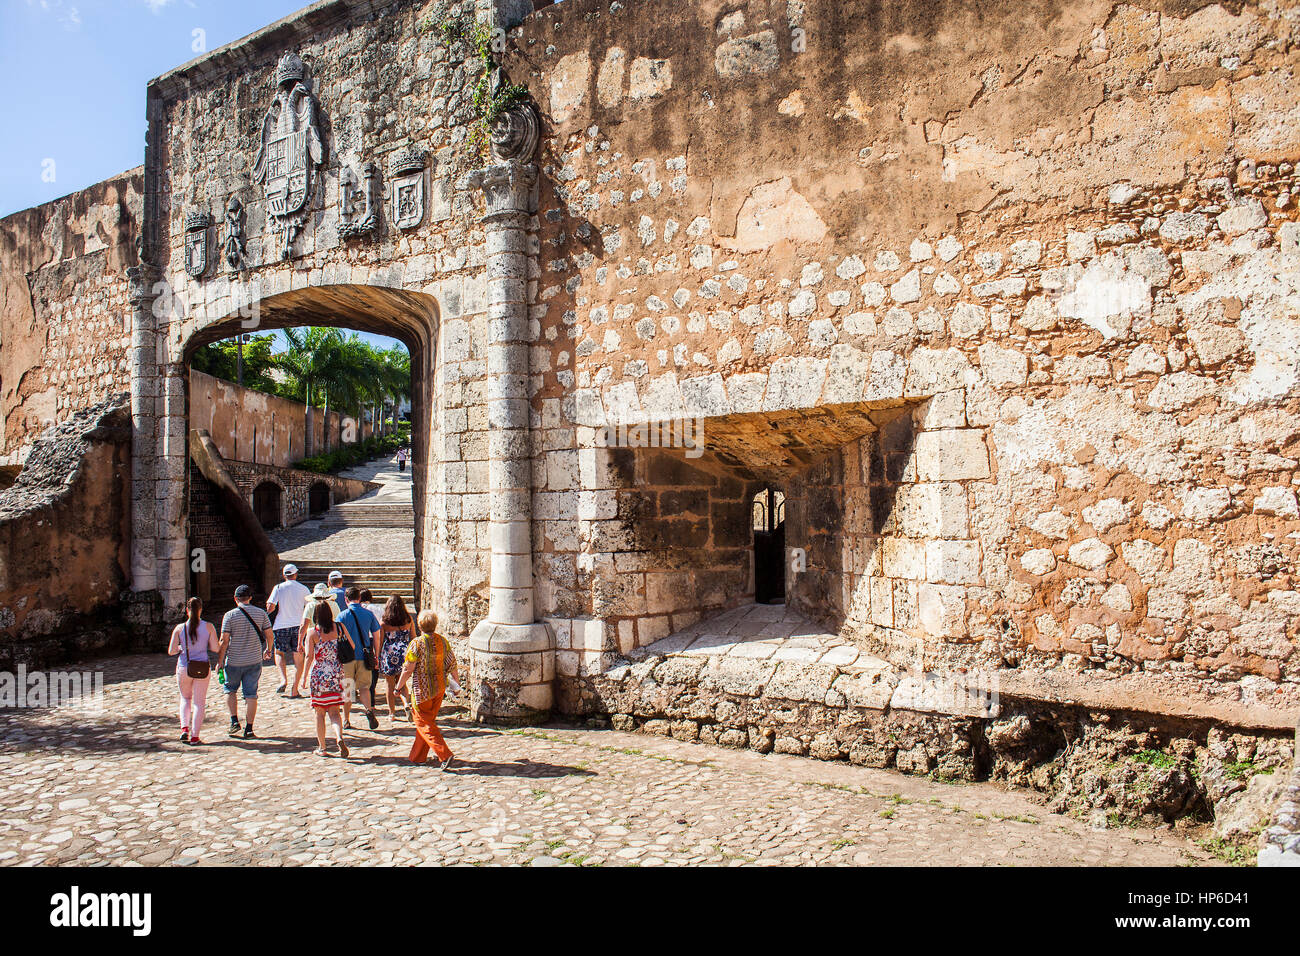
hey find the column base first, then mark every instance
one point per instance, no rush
(512, 673)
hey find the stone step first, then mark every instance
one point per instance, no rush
(367, 522)
(394, 563)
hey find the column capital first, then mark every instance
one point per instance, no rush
(142, 282)
(509, 188)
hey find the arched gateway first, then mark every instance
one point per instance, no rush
(1016, 350)
(310, 223)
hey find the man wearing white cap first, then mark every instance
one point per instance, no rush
(285, 605)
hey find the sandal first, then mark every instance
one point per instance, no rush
(343, 749)
(321, 752)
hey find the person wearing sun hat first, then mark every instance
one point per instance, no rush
(320, 594)
(285, 605)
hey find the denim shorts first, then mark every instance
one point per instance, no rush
(286, 640)
(246, 677)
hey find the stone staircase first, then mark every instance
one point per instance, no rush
(369, 513)
(382, 578)
(342, 539)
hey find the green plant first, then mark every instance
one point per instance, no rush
(490, 101)
(1235, 853)
(1154, 758)
(334, 461)
(1244, 769)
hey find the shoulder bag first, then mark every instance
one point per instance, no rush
(198, 670)
(347, 650)
(256, 630)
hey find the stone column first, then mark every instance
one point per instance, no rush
(143, 283)
(512, 655)
(171, 484)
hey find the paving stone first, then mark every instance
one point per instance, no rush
(546, 796)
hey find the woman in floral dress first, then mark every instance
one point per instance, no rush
(395, 634)
(326, 680)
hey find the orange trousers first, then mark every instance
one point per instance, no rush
(427, 734)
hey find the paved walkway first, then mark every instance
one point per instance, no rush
(117, 787)
(397, 487)
(763, 632)
(308, 541)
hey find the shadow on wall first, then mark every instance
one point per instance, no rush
(683, 546)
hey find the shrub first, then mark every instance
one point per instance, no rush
(332, 462)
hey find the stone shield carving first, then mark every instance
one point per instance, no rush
(196, 243)
(291, 150)
(408, 188)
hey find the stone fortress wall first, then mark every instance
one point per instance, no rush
(1003, 297)
(1007, 293)
(64, 321)
(252, 426)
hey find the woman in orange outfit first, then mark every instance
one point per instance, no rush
(429, 660)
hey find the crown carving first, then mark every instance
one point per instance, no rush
(408, 160)
(197, 220)
(290, 69)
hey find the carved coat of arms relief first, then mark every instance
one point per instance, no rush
(290, 152)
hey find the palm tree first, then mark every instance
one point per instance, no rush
(345, 373)
(317, 366)
(395, 377)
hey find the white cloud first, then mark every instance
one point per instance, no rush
(65, 14)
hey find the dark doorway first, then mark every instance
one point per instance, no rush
(318, 499)
(769, 546)
(266, 504)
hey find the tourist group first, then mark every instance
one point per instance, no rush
(338, 646)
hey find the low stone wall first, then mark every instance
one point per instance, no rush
(64, 545)
(295, 487)
(1107, 765)
(1281, 841)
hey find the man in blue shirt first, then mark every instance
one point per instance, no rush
(361, 627)
(336, 589)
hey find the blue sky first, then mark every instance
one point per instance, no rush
(74, 74)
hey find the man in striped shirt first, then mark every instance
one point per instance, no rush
(246, 640)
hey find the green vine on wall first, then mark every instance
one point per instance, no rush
(489, 103)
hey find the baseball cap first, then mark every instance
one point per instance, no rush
(336, 575)
(291, 569)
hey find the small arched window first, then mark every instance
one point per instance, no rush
(768, 509)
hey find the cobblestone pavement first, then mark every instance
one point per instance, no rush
(118, 787)
(309, 542)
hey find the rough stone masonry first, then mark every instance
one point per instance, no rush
(1002, 297)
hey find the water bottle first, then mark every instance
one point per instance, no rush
(221, 674)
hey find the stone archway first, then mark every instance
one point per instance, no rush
(160, 557)
(318, 499)
(268, 505)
